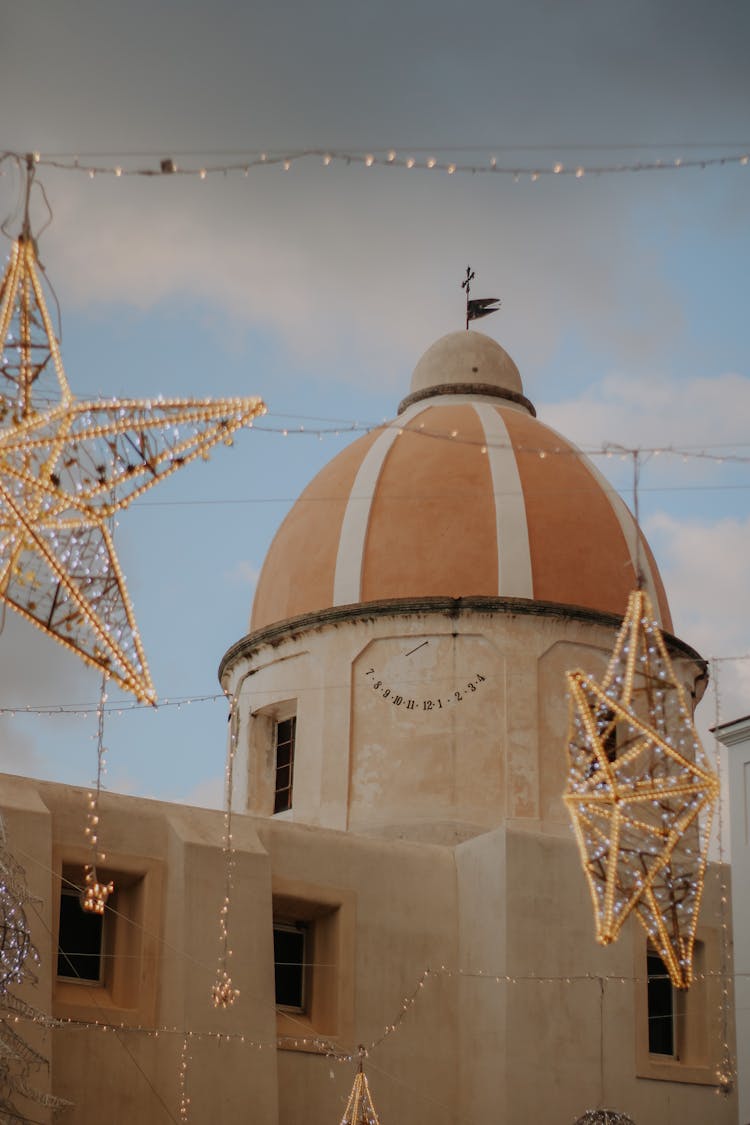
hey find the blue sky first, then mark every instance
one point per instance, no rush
(624, 296)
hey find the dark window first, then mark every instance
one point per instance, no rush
(79, 951)
(289, 955)
(285, 736)
(660, 1008)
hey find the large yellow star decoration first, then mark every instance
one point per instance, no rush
(360, 1109)
(641, 793)
(67, 467)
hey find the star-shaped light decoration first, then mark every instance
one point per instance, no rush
(17, 1057)
(604, 1117)
(641, 793)
(360, 1109)
(67, 467)
(16, 946)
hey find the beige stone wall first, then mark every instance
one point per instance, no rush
(160, 957)
(544, 1050)
(509, 902)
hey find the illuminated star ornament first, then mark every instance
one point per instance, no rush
(604, 1117)
(67, 467)
(18, 1059)
(641, 793)
(360, 1109)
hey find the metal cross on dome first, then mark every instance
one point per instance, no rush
(67, 467)
(480, 306)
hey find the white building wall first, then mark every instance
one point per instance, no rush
(736, 737)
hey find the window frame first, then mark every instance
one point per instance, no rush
(330, 917)
(291, 744)
(655, 978)
(132, 927)
(307, 932)
(259, 793)
(75, 892)
(696, 1042)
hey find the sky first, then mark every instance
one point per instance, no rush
(623, 295)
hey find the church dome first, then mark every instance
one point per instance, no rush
(465, 493)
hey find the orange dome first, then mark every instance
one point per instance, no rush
(465, 493)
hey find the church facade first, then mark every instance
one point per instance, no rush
(405, 886)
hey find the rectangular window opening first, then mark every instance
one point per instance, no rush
(290, 955)
(80, 951)
(286, 731)
(661, 1008)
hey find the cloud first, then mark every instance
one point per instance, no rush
(323, 259)
(651, 410)
(37, 670)
(704, 567)
(245, 572)
(705, 570)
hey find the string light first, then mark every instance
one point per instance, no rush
(23, 1011)
(96, 893)
(184, 1106)
(726, 1068)
(386, 157)
(640, 793)
(66, 467)
(224, 993)
(121, 707)
(336, 427)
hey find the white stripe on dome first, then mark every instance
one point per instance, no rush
(637, 551)
(514, 574)
(347, 582)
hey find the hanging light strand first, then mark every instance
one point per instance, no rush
(415, 159)
(726, 1069)
(182, 1078)
(224, 993)
(96, 893)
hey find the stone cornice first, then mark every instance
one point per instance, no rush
(478, 389)
(452, 607)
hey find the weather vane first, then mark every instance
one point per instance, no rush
(480, 306)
